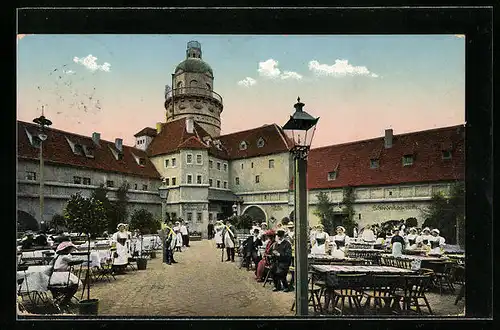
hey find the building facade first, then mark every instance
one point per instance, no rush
(207, 174)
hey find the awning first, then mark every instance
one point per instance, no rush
(222, 195)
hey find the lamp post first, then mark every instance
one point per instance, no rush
(300, 128)
(163, 190)
(42, 123)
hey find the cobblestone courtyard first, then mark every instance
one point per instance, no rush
(201, 285)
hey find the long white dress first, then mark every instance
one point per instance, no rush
(218, 234)
(320, 241)
(177, 230)
(121, 249)
(436, 243)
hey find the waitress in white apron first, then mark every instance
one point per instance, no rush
(119, 239)
(411, 239)
(423, 239)
(320, 241)
(397, 243)
(341, 239)
(436, 242)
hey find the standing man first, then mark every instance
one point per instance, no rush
(282, 258)
(229, 239)
(169, 243)
(184, 233)
(210, 230)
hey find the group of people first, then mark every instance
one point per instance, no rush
(175, 237)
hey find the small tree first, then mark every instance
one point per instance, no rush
(447, 213)
(85, 215)
(144, 220)
(324, 210)
(101, 194)
(243, 221)
(348, 222)
(58, 222)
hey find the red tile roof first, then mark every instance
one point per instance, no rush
(147, 131)
(275, 142)
(352, 160)
(174, 137)
(57, 150)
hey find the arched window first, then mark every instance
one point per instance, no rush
(179, 84)
(243, 145)
(260, 142)
(193, 83)
(209, 87)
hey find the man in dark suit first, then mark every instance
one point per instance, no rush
(210, 230)
(250, 246)
(282, 258)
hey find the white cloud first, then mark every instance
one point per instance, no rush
(247, 82)
(290, 75)
(341, 68)
(269, 68)
(90, 63)
(69, 72)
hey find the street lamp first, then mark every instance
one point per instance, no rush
(300, 128)
(163, 189)
(42, 123)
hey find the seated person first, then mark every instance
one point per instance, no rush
(60, 281)
(437, 242)
(281, 260)
(41, 240)
(411, 239)
(28, 241)
(265, 261)
(250, 246)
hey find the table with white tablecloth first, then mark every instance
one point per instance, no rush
(36, 278)
(97, 257)
(149, 243)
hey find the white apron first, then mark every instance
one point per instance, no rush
(411, 241)
(397, 249)
(121, 250)
(319, 243)
(368, 235)
(436, 243)
(218, 234)
(178, 239)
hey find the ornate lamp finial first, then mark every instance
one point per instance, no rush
(298, 99)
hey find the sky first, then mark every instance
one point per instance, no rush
(359, 85)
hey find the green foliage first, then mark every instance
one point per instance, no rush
(447, 212)
(58, 222)
(243, 221)
(144, 220)
(324, 210)
(348, 222)
(116, 211)
(411, 222)
(85, 215)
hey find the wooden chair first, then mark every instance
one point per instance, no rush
(411, 294)
(442, 275)
(349, 287)
(59, 291)
(106, 270)
(314, 293)
(459, 278)
(382, 291)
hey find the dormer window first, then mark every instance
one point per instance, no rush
(89, 152)
(446, 154)
(332, 175)
(34, 139)
(407, 160)
(142, 161)
(374, 163)
(260, 142)
(243, 145)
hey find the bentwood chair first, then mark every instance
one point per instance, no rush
(443, 275)
(412, 293)
(382, 290)
(314, 293)
(349, 287)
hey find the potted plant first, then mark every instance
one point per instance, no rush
(142, 260)
(86, 215)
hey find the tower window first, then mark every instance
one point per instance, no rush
(174, 181)
(257, 178)
(209, 87)
(446, 154)
(374, 163)
(332, 176)
(243, 145)
(407, 160)
(237, 181)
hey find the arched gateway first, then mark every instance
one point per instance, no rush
(256, 213)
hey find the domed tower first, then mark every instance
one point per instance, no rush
(192, 92)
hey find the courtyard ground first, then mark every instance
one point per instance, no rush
(201, 285)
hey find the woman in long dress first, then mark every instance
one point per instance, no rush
(436, 242)
(119, 239)
(218, 233)
(177, 231)
(320, 241)
(60, 276)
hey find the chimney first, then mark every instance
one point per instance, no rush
(388, 138)
(119, 144)
(190, 125)
(96, 137)
(159, 126)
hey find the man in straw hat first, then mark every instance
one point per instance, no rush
(229, 239)
(282, 258)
